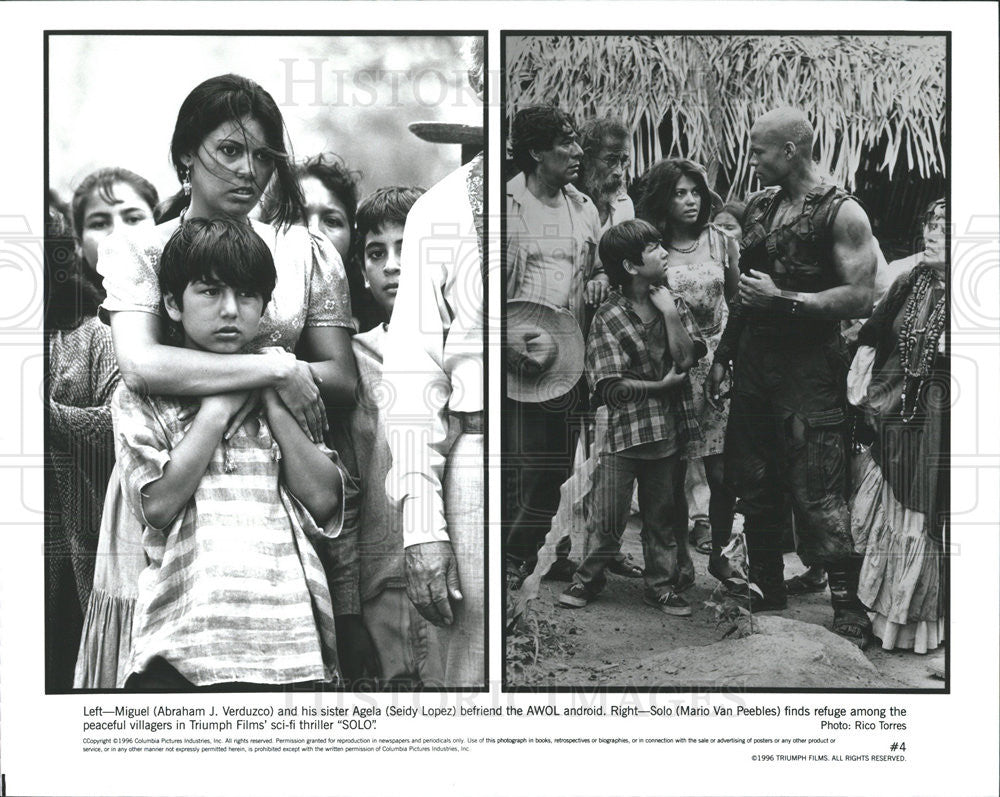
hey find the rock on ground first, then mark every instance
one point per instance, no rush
(782, 652)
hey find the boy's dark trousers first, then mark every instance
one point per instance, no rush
(662, 507)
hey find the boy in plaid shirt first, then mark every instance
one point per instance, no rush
(641, 343)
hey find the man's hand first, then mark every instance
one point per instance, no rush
(532, 354)
(713, 385)
(596, 291)
(757, 289)
(432, 580)
(356, 652)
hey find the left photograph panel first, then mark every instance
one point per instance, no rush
(266, 379)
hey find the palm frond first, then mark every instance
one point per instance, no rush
(863, 94)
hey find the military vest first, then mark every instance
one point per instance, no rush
(797, 254)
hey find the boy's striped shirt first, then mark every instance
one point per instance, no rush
(234, 590)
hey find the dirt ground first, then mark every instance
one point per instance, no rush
(619, 641)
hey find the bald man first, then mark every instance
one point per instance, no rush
(807, 262)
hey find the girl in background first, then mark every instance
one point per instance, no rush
(729, 219)
(107, 201)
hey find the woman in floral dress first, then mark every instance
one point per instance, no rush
(703, 269)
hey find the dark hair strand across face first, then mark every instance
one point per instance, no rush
(232, 98)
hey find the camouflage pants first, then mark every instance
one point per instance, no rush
(785, 444)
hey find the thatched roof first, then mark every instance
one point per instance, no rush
(864, 94)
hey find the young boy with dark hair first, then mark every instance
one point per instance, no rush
(378, 238)
(234, 592)
(405, 642)
(641, 343)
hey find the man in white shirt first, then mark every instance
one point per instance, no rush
(552, 231)
(433, 376)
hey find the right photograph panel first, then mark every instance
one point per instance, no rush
(725, 424)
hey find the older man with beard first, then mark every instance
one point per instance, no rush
(606, 155)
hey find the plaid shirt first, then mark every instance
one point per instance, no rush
(617, 349)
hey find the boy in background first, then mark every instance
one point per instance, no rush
(404, 641)
(641, 343)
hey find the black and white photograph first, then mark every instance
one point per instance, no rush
(727, 370)
(393, 391)
(265, 383)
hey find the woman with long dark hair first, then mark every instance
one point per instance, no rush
(228, 149)
(702, 268)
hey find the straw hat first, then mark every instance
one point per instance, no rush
(551, 346)
(448, 133)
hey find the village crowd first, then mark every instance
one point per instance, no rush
(265, 418)
(265, 401)
(699, 358)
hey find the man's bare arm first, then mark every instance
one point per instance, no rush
(854, 259)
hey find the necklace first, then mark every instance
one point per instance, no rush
(918, 345)
(686, 250)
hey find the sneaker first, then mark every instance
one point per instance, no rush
(668, 602)
(575, 596)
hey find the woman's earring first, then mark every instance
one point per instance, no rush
(186, 181)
